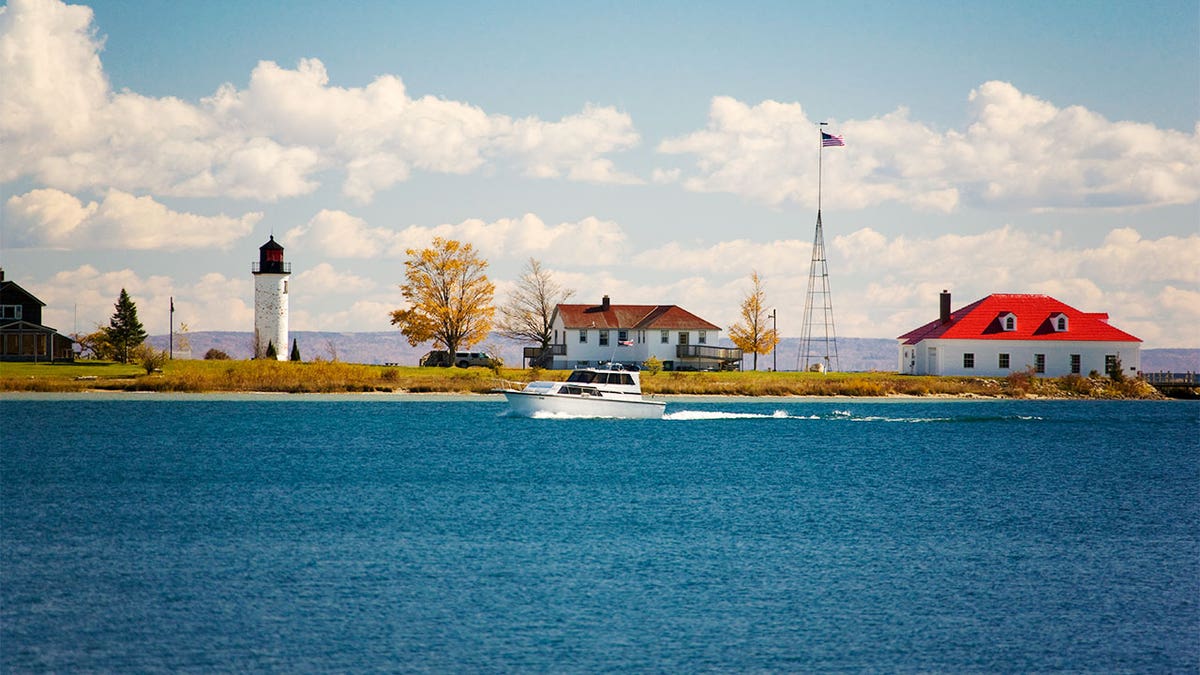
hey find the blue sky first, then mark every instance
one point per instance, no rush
(656, 152)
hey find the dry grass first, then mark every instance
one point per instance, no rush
(336, 377)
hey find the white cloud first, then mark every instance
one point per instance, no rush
(1017, 152)
(54, 219)
(587, 242)
(730, 257)
(325, 277)
(61, 124)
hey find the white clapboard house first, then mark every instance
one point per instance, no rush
(1005, 333)
(630, 334)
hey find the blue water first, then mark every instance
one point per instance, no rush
(386, 533)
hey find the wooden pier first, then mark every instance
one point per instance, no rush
(1175, 385)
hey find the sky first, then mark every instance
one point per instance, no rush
(654, 152)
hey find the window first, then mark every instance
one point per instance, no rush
(603, 338)
(1075, 364)
(703, 337)
(10, 311)
(1039, 363)
(622, 336)
(641, 337)
(583, 337)
(285, 282)
(1003, 361)
(969, 360)
(1061, 324)
(666, 336)
(1110, 363)
(683, 337)
(1010, 322)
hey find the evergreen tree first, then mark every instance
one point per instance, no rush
(124, 332)
(271, 353)
(295, 350)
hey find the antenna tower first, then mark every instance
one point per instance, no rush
(818, 338)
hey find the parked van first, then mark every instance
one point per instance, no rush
(461, 359)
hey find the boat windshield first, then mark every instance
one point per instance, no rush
(592, 377)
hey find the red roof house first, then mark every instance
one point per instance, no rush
(1007, 332)
(630, 334)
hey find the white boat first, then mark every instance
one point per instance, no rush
(606, 391)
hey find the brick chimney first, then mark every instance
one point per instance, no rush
(604, 304)
(945, 314)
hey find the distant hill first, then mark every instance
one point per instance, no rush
(854, 354)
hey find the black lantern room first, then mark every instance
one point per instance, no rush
(270, 259)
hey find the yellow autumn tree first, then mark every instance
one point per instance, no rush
(449, 296)
(752, 334)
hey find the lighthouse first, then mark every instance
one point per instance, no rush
(271, 300)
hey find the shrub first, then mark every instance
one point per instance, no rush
(215, 354)
(652, 364)
(148, 358)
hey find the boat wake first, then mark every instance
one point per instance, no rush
(689, 415)
(834, 416)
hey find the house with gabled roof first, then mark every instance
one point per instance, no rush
(22, 335)
(1008, 332)
(630, 334)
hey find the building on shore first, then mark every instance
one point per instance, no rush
(22, 335)
(1005, 333)
(630, 334)
(271, 276)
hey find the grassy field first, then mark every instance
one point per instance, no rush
(337, 377)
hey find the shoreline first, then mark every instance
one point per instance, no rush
(443, 396)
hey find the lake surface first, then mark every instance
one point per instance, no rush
(435, 534)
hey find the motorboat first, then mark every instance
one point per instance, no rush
(609, 390)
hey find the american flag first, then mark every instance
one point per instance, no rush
(829, 140)
(625, 343)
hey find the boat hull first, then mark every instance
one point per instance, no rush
(534, 405)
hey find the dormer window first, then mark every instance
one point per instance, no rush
(1008, 322)
(1060, 323)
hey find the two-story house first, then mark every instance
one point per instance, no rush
(22, 335)
(631, 334)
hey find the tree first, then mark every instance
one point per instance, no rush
(183, 343)
(751, 334)
(449, 296)
(124, 332)
(531, 306)
(271, 353)
(295, 350)
(94, 345)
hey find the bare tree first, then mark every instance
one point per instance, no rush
(531, 306)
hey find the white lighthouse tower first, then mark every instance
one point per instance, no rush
(271, 300)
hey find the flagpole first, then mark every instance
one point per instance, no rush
(171, 339)
(820, 157)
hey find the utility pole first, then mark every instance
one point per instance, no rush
(775, 348)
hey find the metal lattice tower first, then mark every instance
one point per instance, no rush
(818, 338)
